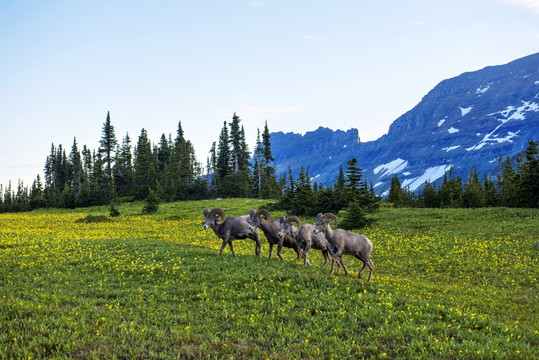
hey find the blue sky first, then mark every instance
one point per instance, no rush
(297, 64)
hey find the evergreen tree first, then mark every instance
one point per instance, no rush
(269, 184)
(304, 196)
(108, 145)
(430, 196)
(491, 195)
(258, 163)
(36, 194)
(223, 154)
(340, 198)
(152, 202)
(123, 168)
(474, 194)
(451, 193)
(240, 184)
(528, 190)
(75, 169)
(144, 165)
(353, 179)
(507, 183)
(395, 195)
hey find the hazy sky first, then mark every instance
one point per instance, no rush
(299, 64)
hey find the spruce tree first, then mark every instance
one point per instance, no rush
(108, 145)
(528, 187)
(123, 168)
(395, 195)
(75, 169)
(507, 183)
(353, 179)
(474, 193)
(223, 154)
(144, 165)
(270, 188)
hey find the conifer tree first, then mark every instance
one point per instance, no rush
(353, 179)
(144, 165)
(430, 196)
(507, 183)
(75, 169)
(269, 181)
(395, 195)
(474, 194)
(223, 154)
(108, 145)
(528, 187)
(491, 195)
(123, 168)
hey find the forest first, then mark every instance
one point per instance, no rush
(120, 171)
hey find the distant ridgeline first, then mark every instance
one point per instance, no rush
(465, 122)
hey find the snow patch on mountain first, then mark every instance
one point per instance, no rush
(431, 174)
(465, 111)
(452, 130)
(448, 149)
(508, 114)
(481, 90)
(441, 122)
(392, 167)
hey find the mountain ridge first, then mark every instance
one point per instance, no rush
(464, 122)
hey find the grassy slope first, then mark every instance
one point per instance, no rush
(447, 284)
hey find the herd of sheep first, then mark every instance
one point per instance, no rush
(334, 243)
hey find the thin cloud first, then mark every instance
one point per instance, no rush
(312, 37)
(532, 5)
(417, 22)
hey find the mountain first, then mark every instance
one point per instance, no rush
(464, 122)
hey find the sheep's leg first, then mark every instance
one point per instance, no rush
(306, 256)
(223, 247)
(258, 246)
(279, 248)
(270, 250)
(341, 260)
(371, 267)
(231, 248)
(339, 266)
(362, 268)
(332, 266)
(326, 258)
(299, 253)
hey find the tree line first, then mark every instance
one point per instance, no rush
(515, 186)
(169, 171)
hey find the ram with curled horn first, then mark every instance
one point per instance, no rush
(230, 228)
(345, 243)
(262, 220)
(306, 239)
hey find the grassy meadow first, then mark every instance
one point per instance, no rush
(448, 284)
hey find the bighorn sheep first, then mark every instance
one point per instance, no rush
(230, 228)
(305, 238)
(262, 219)
(345, 242)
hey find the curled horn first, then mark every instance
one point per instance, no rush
(332, 216)
(293, 219)
(266, 215)
(220, 212)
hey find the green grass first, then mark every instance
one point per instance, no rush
(448, 284)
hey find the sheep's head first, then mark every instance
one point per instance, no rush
(322, 222)
(216, 216)
(286, 225)
(261, 216)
